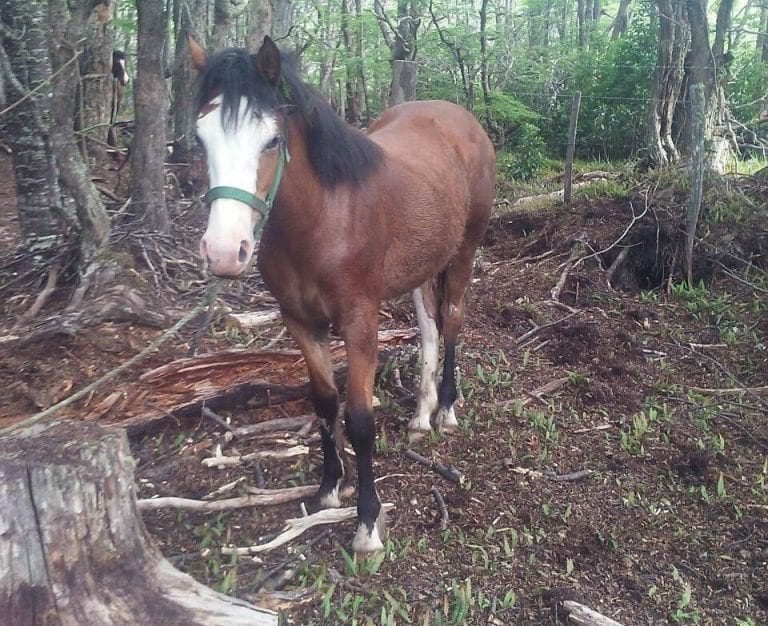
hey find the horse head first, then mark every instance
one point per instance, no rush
(240, 127)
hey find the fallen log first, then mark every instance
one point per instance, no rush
(73, 547)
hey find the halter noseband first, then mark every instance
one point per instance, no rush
(263, 207)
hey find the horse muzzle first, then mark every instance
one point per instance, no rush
(225, 259)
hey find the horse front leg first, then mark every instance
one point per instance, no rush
(313, 342)
(360, 338)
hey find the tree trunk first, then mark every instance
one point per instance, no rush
(668, 80)
(581, 18)
(762, 37)
(708, 69)
(27, 127)
(73, 548)
(183, 79)
(68, 21)
(259, 23)
(151, 107)
(621, 21)
(94, 101)
(404, 76)
(351, 82)
(282, 18)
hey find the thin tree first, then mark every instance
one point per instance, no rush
(151, 109)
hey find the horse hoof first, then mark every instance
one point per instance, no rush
(330, 500)
(417, 435)
(446, 420)
(367, 542)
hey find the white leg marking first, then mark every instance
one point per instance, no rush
(427, 400)
(331, 500)
(446, 419)
(365, 542)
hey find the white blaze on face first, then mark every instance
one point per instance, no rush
(233, 152)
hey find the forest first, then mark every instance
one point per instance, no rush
(161, 456)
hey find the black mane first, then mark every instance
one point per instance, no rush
(338, 153)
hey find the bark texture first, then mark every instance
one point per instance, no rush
(73, 548)
(68, 21)
(187, 15)
(674, 37)
(27, 127)
(151, 108)
(94, 109)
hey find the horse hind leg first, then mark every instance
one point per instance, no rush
(425, 300)
(455, 282)
(325, 399)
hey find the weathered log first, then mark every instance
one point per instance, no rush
(73, 547)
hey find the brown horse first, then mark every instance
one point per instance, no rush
(356, 219)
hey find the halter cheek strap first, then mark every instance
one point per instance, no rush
(263, 207)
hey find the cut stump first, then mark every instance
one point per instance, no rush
(73, 547)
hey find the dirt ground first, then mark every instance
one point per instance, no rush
(613, 444)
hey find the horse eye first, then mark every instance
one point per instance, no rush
(273, 143)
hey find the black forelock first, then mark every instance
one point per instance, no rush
(337, 152)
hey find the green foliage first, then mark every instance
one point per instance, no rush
(522, 153)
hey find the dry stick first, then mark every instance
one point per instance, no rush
(616, 264)
(298, 525)
(580, 614)
(271, 426)
(635, 218)
(42, 298)
(216, 418)
(535, 331)
(265, 497)
(441, 507)
(207, 300)
(536, 394)
(728, 391)
(446, 471)
(232, 461)
(566, 478)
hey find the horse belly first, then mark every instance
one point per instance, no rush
(421, 251)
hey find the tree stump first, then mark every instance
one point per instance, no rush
(73, 547)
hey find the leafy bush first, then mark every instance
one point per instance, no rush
(522, 152)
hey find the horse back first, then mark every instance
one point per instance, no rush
(441, 180)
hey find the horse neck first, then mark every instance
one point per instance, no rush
(300, 190)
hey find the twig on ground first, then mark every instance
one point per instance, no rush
(297, 526)
(265, 497)
(216, 418)
(535, 331)
(550, 387)
(585, 616)
(446, 471)
(271, 426)
(635, 219)
(575, 255)
(224, 489)
(568, 478)
(550, 475)
(441, 507)
(231, 461)
(712, 391)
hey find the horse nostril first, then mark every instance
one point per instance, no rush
(242, 256)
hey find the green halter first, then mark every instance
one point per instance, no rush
(263, 207)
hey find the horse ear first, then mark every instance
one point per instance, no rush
(197, 54)
(267, 61)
